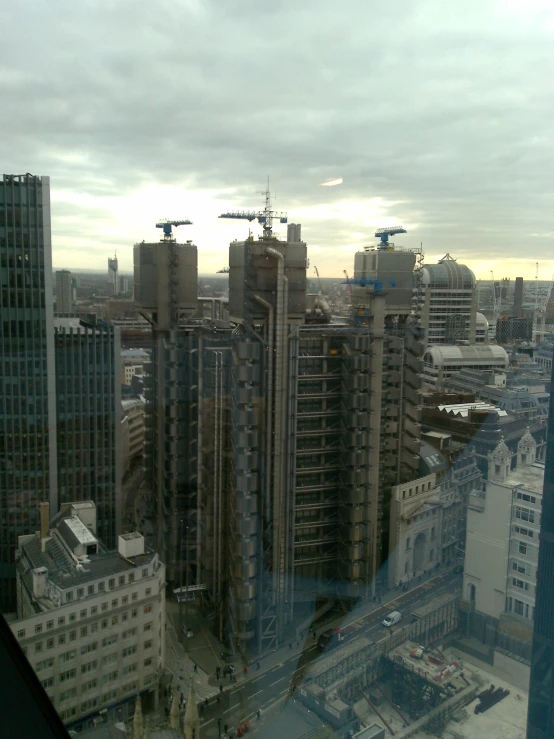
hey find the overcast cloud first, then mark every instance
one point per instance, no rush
(437, 115)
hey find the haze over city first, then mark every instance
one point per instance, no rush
(431, 116)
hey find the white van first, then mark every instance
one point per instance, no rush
(393, 618)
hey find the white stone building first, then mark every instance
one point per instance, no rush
(428, 519)
(502, 542)
(91, 622)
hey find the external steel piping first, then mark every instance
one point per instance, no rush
(278, 448)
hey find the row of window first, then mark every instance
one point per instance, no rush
(50, 682)
(106, 698)
(93, 611)
(104, 624)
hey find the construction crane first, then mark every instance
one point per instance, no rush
(167, 225)
(319, 280)
(384, 233)
(264, 217)
(345, 273)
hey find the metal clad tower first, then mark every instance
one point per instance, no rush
(165, 289)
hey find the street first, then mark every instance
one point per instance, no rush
(270, 686)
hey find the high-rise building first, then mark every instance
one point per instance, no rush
(540, 717)
(88, 416)
(28, 471)
(113, 284)
(448, 302)
(267, 489)
(64, 292)
(123, 284)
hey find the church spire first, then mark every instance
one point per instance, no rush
(192, 721)
(174, 713)
(138, 722)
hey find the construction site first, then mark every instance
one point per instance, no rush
(413, 682)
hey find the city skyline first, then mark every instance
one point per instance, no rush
(443, 128)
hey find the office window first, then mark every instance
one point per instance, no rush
(525, 514)
(148, 644)
(83, 613)
(90, 589)
(84, 631)
(407, 543)
(101, 586)
(61, 621)
(72, 635)
(522, 548)
(80, 592)
(148, 608)
(44, 665)
(61, 639)
(68, 597)
(93, 610)
(148, 626)
(134, 613)
(128, 651)
(89, 667)
(111, 582)
(115, 603)
(520, 584)
(122, 579)
(109, 659)
(38, 628)
(38, 647)
(67, 656)
(131, 577)
(134, 596)
(148, 592)
(94, 627)
(50, 624)
(49, 643)
(145, 572)
(21, 634)
(48, 683)
(72, 617)
(124, 600)
(69, 675)
(148, 661)
(115, 620)
(66, 694)
(89, 685)
(104, 606)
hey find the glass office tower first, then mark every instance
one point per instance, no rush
(27, 383)
(540, 717)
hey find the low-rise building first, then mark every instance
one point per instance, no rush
(428, 517)
(440, 362)
(90, 621)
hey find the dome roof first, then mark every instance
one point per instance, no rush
(448, 274)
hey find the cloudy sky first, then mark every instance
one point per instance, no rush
(437, 114)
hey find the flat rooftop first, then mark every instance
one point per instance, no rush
(530, 477)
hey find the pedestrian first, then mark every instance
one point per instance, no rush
(290, 645)
(218, 697)
(313, 634)
(217, 672)
(245, 669)
(258, 713)
(195, 667)
(182, 697)
(258, 665)
(205, 702)
(220, 688)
